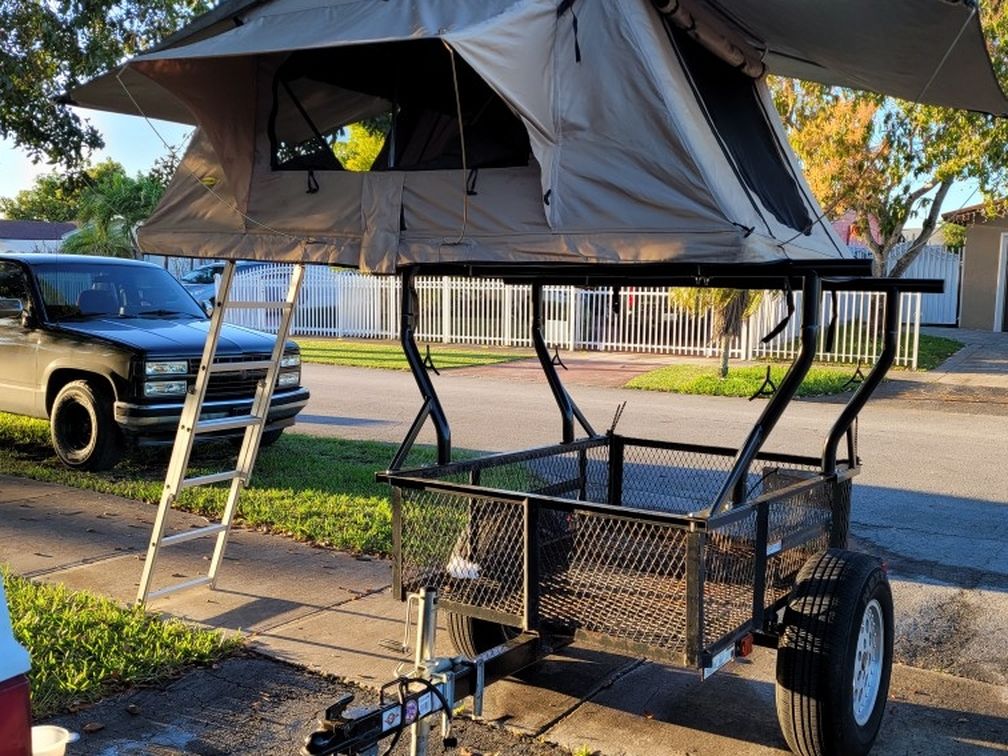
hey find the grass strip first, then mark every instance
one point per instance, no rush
(741, 381)
(84, 647)
(932, 351)
(389, 355)
(319, 490)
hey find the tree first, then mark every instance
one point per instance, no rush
(729, 309)
(110, 209)
(362, 143)
(46, 48)
(55, 197)
(889, 160)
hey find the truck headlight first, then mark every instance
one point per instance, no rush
(289, 379)
(165, 388)
(167, 367)
(290, 360)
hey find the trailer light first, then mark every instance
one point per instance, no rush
(290, 360)
(165, 388)
(168, 367)
(744, 645)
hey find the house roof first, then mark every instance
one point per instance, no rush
(978, 213)
(34, 230)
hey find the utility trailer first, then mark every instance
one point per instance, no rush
(682, 553)
(603, 143)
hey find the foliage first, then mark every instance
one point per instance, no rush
(888, 160)
(84, 647)
(744, 381)
(729, 309)
(390, 355)
(360, 148)
(110, 209)
(319, 490)
(55, 196)
(932, 351)
(50, 47)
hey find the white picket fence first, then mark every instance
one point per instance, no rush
(487, 312)
(933, 261)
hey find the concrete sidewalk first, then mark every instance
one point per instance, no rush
(328, 612)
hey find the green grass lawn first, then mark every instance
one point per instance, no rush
(84, 647)
(389, 355)
(823, 379)
(741, 381)
(320, 490)
(934, 350)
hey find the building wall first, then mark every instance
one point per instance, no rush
(980, 272)
(29, 245)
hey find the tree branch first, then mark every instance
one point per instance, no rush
(930, 222)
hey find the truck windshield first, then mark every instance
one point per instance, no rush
(83, 291)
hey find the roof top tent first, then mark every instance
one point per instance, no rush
(590, 142)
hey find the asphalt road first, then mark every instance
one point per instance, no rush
(932, 497)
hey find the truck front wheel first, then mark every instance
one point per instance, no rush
(83, 430)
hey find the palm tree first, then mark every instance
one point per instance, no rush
(729, 309)
(109, 211)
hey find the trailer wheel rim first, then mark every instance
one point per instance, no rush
(868, 656)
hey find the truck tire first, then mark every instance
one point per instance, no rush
(471, 636)
(83, 428)
(835, 653)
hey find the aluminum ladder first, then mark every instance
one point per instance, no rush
(190, 426)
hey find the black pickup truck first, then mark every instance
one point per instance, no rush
(107, 349)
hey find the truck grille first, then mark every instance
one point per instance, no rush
(233, 385)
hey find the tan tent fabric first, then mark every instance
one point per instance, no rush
(628, 161)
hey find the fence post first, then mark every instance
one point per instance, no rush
(446, 309)
(508, 314)
(571, 317)
(916, 327)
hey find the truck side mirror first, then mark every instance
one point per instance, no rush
(11, 308)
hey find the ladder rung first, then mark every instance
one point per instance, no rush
(206, 480)
(237, 367)
(263, 305)
(202, 580)
(189, 535)
(226, 423)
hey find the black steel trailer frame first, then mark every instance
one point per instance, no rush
(532, 527)
(679, 552)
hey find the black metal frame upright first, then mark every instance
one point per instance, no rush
(707, 534)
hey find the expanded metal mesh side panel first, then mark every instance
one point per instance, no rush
(469, 548)
(619, 577)
(672, 480)
(807, 516)
(729, 567)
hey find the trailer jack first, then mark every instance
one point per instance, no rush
(434, 687)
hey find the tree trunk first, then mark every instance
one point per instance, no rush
(725, 352)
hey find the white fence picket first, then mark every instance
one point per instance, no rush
(337, 303)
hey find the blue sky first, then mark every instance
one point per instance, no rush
(131, 141)
(128, 139)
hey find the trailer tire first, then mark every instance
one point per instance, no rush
(835, 653)
(471, 636)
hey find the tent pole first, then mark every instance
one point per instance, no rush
(432, 405)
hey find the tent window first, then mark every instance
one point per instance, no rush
(737, 116)
(402, 92)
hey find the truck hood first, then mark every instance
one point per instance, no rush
(170, 337)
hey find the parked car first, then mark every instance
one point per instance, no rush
(201, 282)
(107, 350)
(15, 701)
